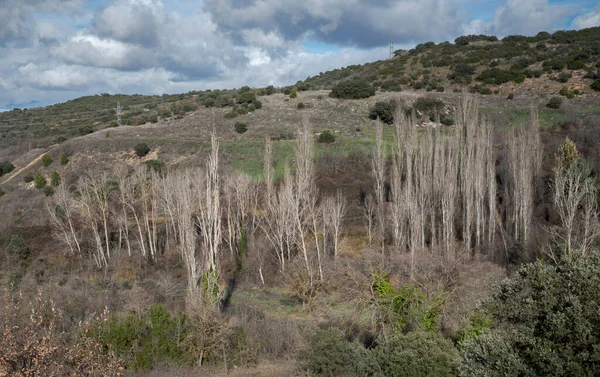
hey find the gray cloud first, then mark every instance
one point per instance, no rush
(530, 17)
(17, 24)
(359, 23)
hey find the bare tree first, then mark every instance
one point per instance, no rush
(334, 210)
(378, 171)
(61, 208)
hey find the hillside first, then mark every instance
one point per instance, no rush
(516, 64)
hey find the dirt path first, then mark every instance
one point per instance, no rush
(19, 171)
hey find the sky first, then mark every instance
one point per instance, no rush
(55, 50)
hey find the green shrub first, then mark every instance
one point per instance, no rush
(1, 192)
(64, 159)
(28, 178)
(39, 181)
(230, 115)
(294, 92)
(142, 149)
(416, 354)
(564, 77)
(48, 191)
(406, 308)
(353, 89)
(544, 321)
(300, 106)
(596, 85)
(6, 167)
(428, 105)
(326, 137)
(566, 92)
(240, 127)
(384, 111)
(287, 91)
(166, 113)
(54, 179)
(510, 96)
(145, 341)
(47, 160)
(554, 103)
(15, 247)
(270, 90)
(257, 104)
(330, 354)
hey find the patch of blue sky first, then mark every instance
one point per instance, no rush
(315, 47)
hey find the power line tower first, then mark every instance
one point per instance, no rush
(119, 112)
(391, 49)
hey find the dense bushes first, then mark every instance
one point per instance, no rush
(498, 76)
(6, 167)
(142, 149)
(595, 85)
(240, 127)
(554, 103)
(383, 111)
(545, 322)
(15, 247)
(143, 341)
(416, 354)
(39, 181)
(353, 89)
(326, 137)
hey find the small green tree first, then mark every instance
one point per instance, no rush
(384, 111)
(54, 179)
(47, 160)
(6, 167)
(595, 85)
(64, 159)
(294, 92)
(39, 181)
(326, 137)
(554, 103)
(142, 149)
(240, 127)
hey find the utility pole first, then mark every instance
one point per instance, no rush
(391, 49)
(119, 112)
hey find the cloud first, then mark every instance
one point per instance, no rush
(131, 21)
(530, 17)
(359, 23)
(17, 24)
(587, 20)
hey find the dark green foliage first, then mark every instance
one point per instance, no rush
(48, 191)
(510, 96)
(353, 89)
(294, 92)
(330, 354)
(230, 115)
(15, 247)
(383, 111)
(246, 95)
(428, 105)
(554, 103)
(499, 76)
(462, 71)
(166, 113)
(1, 192)
(47, 160)
(86, 130)
(596, 85)
(6, 167)
(145, 341)
(28, 178)
(300, 106)
(545, 322)
(326, 137)
(270, 90)
(39, 181)
(564, 77)
(64, 159)
(142, 149)
(466, 39)
(416, 354)
(240, 127)
(54, 179)
(257, 104)
(566, 92)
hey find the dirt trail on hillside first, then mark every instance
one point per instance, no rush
(19, 171)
